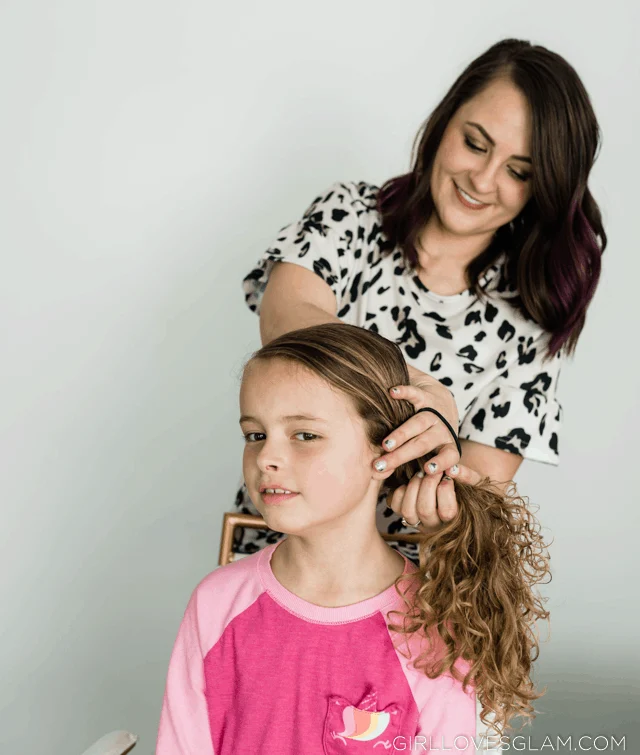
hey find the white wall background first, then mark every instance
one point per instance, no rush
(149, 152)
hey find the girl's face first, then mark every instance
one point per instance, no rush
(481, 172)
(302, 436)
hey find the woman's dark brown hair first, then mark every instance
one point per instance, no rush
(554, 245)
(472, 594)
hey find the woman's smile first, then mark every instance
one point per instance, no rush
(468, 201)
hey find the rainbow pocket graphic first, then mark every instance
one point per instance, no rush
(360, 728)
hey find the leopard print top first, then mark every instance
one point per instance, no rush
(488, 354)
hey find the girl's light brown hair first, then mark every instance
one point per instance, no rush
(473, 592)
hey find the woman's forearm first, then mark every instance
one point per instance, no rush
(278, 320)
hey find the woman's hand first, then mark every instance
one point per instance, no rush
(424, 432)
(429, 501)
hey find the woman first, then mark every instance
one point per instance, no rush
(480, 263)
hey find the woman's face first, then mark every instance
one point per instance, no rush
(304, 437)
(481, 173)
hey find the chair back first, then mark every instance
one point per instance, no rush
(233, 520)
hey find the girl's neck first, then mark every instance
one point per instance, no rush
(331, 572)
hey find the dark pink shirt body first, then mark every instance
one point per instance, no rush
(256, 669)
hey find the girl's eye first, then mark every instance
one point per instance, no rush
(473, 146)
(307, 437)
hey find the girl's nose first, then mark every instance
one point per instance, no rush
(270, 457)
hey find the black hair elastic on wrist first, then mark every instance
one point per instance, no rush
(451, 430)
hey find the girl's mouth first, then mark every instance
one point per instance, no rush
(272, 498)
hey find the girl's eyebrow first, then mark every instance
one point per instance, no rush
(287, 418)
(493, 144)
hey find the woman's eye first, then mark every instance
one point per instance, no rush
(249, 439)
(472, 146)
(310, 436)
(520, 176)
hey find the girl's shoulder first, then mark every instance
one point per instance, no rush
(224, 583)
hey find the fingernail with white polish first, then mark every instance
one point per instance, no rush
(454, 469)
(380, 465)
(420, 474)
(433, 467)
(389, 443)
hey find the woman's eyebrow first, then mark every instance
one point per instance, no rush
(286, 418)
(493, 144)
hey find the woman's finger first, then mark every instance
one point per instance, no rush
(446, 497)
(465, 474)
(426, 504)
(435, 436)
(408, 505)
(412, 393)
(432, 394)
(447, 456)
(423, 396)
(395, 502)
(414, 447)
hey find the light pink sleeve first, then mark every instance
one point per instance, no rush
(448, 722)
(184, 721)
(453, 720)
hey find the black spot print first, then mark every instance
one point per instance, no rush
(515, 442)
(478, 419)
(506, 331)
(468, 352)
(490, 312)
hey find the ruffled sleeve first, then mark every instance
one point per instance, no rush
(519, 411)
(326, 240)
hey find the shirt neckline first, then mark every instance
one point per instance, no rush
(324, 614)
(484, 280)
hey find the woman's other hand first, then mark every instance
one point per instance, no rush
(429, 501)
(425, 432)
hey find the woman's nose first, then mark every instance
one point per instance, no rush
(483, 181)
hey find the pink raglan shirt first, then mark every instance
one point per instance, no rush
(256, 669)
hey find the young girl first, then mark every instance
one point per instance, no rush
(330, 641)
